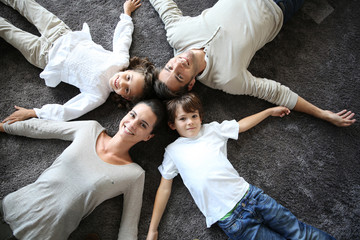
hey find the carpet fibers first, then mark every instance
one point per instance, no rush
(306, 164)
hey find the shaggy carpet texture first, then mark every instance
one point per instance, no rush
(306, 164)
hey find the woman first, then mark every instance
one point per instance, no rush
(93, 168)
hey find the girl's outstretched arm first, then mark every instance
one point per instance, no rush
(161, 199)
(251, 121)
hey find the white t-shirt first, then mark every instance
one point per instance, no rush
(203, 165)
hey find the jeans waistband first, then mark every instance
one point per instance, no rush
(237, 204)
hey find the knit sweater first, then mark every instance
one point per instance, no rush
(70, 189)
(230, 33)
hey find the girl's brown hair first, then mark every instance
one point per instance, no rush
(146, 68)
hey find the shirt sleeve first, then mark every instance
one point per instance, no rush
(227, 129)
(46, 129)
(132, 209)
(74, 108)
(123, 36)
(168, 169)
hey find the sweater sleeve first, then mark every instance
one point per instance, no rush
(45, 129)
(131, 209)
(263, 88)
(123, 36)
(74, 108)
(274, 92)
(167, 10)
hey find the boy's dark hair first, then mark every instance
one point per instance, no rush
(190, 102)
(158, 109)
(146, 68)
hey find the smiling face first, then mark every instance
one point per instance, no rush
(180, 71)
(128, 84)
(186, 124)
(138, 124)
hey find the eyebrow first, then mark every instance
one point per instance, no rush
(143, 121)
(176, 77)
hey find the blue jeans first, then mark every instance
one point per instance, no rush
(258, 216)
(289, 7)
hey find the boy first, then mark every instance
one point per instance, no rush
(199, 155)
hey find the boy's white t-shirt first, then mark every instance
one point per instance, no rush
(203, 165)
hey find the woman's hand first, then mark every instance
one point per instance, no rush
(19, 115)
(130, 6)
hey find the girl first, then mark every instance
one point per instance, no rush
(93, 168)
(242, 210)
(73, 58)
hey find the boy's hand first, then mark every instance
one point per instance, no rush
(130, 6)
(20, 115)
(279, 111)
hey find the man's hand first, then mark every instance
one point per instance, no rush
(19, 115)
(343, 118)
(130, 6)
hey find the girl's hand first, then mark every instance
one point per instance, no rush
(279, 111)
(130, 6)
(19, 115)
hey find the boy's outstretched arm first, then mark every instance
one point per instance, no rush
(251, 121)
(161, 199)
(130, 6)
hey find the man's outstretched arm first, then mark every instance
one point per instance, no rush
(343, 118)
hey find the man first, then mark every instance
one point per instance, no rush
(217, 46)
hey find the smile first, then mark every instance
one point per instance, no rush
(116, 83)
(127, 131)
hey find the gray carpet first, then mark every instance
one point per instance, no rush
(306, 164)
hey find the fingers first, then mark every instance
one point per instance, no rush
(341, 112)
(136, 3)
(343, 118)
(282, 111)
(346, 114)
(10, 119)
(347, 117)
(14, 116)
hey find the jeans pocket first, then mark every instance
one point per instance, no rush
(233, 228)
(235, 225)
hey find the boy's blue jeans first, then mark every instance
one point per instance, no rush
(289, 7)
(258, 216)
